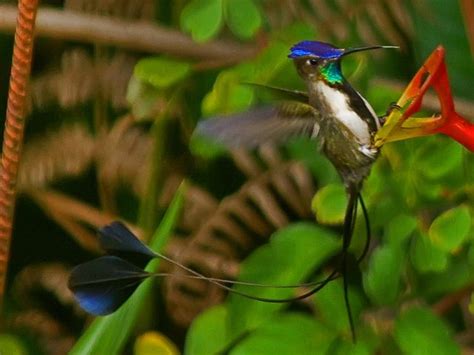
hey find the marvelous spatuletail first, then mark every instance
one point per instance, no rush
(332, 111)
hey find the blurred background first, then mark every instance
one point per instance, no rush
(117, 88)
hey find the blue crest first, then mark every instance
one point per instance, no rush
(315, 49)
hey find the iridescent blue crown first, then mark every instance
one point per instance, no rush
(315, 49)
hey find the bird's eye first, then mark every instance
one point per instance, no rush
(312, 61)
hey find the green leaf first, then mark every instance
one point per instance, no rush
(434, 160)
(287, 334)
(330, 306)
(109, 334)
(329, 204)
(426, 256)
(206, 147)
(208, 332)
(154, 343)
(382, 280)
(367, 343)
(143, 98)
(227, 95)
(202, 18)
(292, 254)
(457, 275)
(419, 331)
(11, 345)
(242, 17)
(449, 230)
(161, 72)
(399, 229)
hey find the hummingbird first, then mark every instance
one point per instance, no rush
(332, 112)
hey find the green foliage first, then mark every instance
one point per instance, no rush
(331, 313)
(242, 17)
(419, 193)
(329, 204)
(289, 258)
(161, 72)
(208, 334)
(204, 18)
(296, 334)
(450, 229)
(419, 331)
(108, 334)
(382, 280)
(11, 345)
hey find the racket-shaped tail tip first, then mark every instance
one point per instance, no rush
(102, 285)
(116, 239)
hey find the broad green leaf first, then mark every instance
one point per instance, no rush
(208, 332)
(242, 17)
(289, 258)
(367, 344)
(399, 229)
(11, 345)
(228, 95)
(154, 343)
(449, 230)
(382, 280)
(161, 72)
(419, 331)
(434, 160)
(108, 335)
(457, 275)
(202, 18)
(330, 306)
(329, 204)
(143, 98)
(290, 334)
(426, 256)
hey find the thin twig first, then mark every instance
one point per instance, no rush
(137, 36)
(14, 127)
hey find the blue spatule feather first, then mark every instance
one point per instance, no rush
(116, 239)
(102, 285)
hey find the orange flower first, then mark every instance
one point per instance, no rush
(400, 123)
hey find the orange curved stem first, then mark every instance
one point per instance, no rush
(14, 127)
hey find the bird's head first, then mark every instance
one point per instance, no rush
(322, 61)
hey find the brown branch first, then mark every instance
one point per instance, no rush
(137, 36)
(451, 299)
(14, 127)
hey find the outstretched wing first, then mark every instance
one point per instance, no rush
(266, 124)
(281, 94)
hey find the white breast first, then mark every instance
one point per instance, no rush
(342, 112)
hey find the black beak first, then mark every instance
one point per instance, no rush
(360, 49)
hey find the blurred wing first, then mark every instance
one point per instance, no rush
(281, 93)
(267, 124)
(118, 240)
(102, 285)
